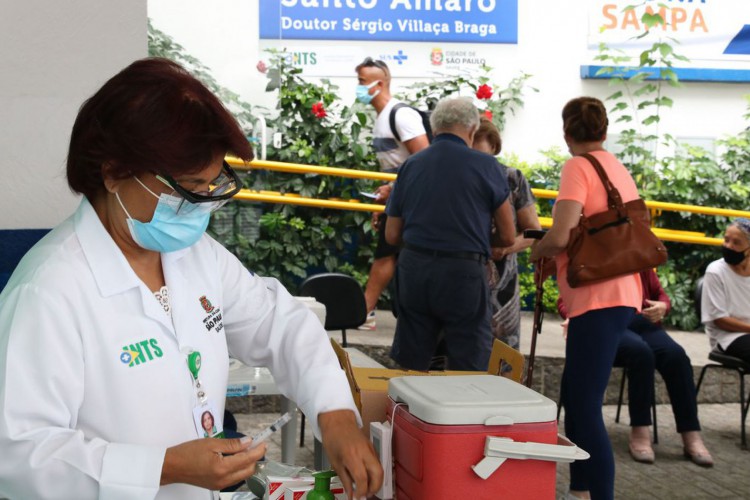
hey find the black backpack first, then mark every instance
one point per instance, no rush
(425, 120)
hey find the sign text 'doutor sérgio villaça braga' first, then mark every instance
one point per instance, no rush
(468, 21)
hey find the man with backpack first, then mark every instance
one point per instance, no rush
(399, 132)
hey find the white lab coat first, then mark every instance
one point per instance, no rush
(78, 421)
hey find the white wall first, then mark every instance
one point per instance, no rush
(552, 45)
(53, 55)
(222, 34)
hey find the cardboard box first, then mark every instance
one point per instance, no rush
(277, 485)
(369, 386)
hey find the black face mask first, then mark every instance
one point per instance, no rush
(732, 257)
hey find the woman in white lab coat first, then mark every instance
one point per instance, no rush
(116, 328)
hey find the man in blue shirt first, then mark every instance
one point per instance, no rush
(440, 210)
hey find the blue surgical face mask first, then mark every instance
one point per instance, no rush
(363, 92)
(173, 226)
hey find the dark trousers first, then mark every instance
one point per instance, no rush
(590, 350)
(740, 348)
(442, 293)
(644, 347)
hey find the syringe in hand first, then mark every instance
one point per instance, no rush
(266, 433)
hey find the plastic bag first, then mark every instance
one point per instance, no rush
(258, 482)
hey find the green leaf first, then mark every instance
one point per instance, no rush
(620, 106)
(665, 49)
(664, 101)
(651, 20)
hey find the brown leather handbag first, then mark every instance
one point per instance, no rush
(613, 243)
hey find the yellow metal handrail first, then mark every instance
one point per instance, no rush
(295, 199)
(665, 234)
(297, 168)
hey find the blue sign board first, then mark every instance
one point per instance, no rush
(463, 21)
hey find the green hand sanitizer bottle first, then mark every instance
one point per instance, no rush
(322, 488)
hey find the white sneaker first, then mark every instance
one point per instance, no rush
(369, 324)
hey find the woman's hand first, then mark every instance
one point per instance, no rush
(564, 326)
(655, 311)
(376, 221)
(543, 269)
(210, 463)
(498, 253)
(350, 453)
(565, 217)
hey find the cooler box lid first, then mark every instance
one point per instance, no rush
(471, 400)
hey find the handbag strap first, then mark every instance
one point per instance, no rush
(614, 200)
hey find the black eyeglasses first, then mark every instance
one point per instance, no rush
(225, 186)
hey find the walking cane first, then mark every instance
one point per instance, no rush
(538, 304)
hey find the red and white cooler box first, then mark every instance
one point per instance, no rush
(474, 437)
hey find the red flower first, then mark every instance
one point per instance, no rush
(488, 114)
(261, 67)
(484, 92)
(318, 110)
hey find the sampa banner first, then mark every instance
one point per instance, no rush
(713, 34)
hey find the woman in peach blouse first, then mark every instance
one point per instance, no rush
(599, 313)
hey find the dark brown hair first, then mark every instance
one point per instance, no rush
(488, 131)
(151, 116)
(585, 119)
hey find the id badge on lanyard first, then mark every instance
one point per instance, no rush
(208, 423)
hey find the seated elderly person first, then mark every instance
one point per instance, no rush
(441, 209)
(646, 347)
(725, 300)
(116, 328)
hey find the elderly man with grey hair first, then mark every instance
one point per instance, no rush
(440, 211)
